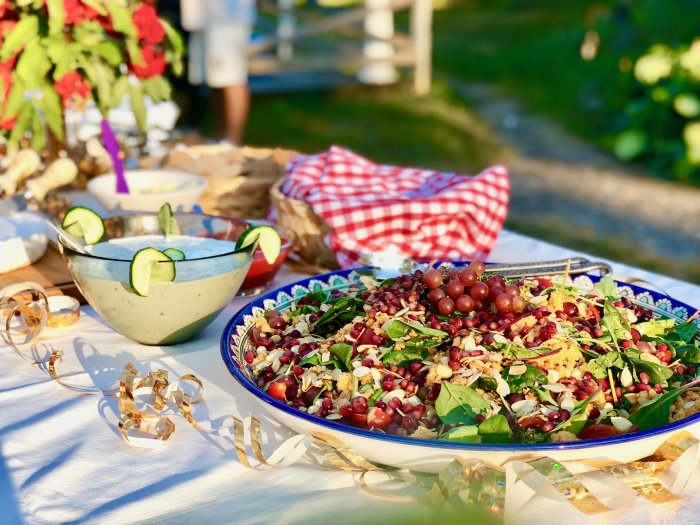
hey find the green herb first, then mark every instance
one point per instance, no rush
(512, 351)
(532, 377)
(315, 360)
(375, 397)
(579, 417)
(657, 411)
(487, 383)
(657, 373)
(655, 327)
(684, 332)
(305, 309)
(398, 329)
(343, 352)
(495, 430)
(465, 434)
(599, 366)
(614, 324)
(608, 288)
(319, 295)
(545, 396)
(401, 357)
(689, 353)
(459, 405)
(342, 311)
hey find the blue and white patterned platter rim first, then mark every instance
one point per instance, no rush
(235, 335)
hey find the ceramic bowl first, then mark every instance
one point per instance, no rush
(174, 311)
(148, 190)
(433, 455)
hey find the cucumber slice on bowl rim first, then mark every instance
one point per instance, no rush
(175, 254)
(166, 220)
(264, 236)
(84, 223)
(150, 266)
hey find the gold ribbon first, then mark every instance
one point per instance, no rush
(462, 484)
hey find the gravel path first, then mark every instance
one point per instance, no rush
(563, 182)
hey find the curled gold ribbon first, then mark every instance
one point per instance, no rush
(462, 484)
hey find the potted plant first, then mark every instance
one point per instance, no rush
(56, 54)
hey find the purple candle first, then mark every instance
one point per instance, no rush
(111, 144)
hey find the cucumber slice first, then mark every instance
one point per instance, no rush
(166, 219)
(175, 254)
(266, 237)
(84, 223)
(147, 267)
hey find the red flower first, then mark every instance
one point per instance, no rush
(4, 7)
(8, 124)
(149, 28)
(77, 12)
(154, 63)
(72, 85)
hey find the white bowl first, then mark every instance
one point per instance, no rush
(148, 190)
(433, 455)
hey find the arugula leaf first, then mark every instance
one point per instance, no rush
(495, 430)
(689, 353)
(607, 287)
(343, 352)
(465, 434)
(684, 332)
(398, 329)
(459, 405)
(320, 295)
(315, 360)
(545, 396)
(614, 324)
(655, 327)
(401, 357)
(512, 351)
(657, 411)
(342, 311)
(579, 417)
(599, 366)
(532, 376)
(305, 309)
(657, 373)
(487, 383)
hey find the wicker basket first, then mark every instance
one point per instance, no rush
(314, 256)
(239, 179)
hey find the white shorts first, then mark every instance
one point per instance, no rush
(217, 55)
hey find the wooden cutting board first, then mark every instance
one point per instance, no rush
(50, 272)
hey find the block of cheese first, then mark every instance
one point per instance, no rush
(23, 240)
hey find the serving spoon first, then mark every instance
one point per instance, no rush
(71, 241)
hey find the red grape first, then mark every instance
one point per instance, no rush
(495, 291)
(519, 304)
(478, 266)
(495, 280)
(433, 278)
(512, 289)
(503, 302)
(446, 306)
(435, 295)
(479, 291)
(454, 288)
(464, 304)
(467, 277)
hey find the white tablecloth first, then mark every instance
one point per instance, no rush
(63, 460)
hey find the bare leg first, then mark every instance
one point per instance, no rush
(236, 107)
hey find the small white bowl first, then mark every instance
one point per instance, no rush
(148, 190)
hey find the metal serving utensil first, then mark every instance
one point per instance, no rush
(573, 265)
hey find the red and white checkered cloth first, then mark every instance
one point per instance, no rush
(421, 214)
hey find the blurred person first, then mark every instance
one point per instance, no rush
(219, 34)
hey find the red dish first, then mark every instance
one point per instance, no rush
(261, 272)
